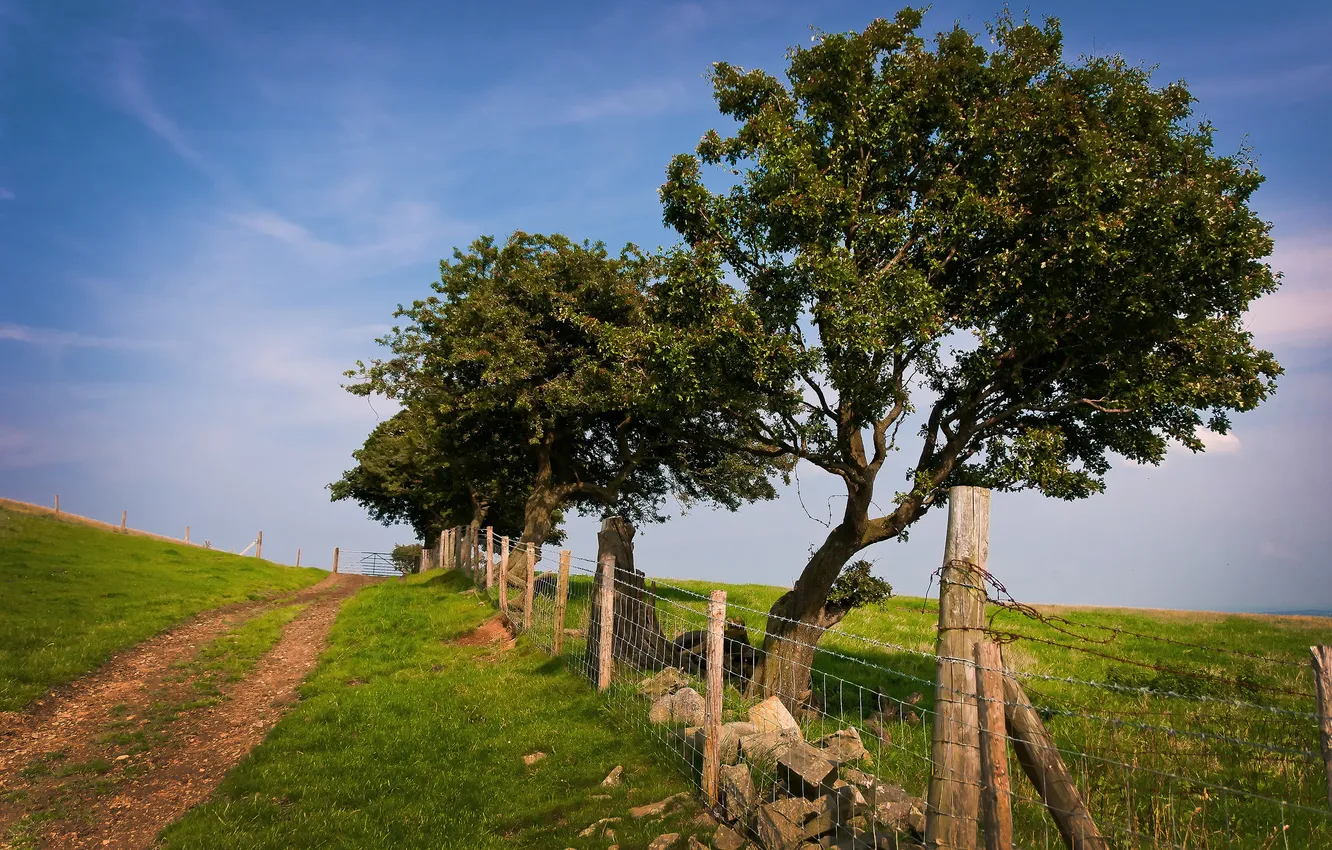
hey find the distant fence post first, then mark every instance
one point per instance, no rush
(123, 516)
(561, 604)
(996, 796)
(335, 560)
(490, 556)
(298, 556)
(57, 503)
(607, 614)
(259, 545)
(422, 567)
(187, 534)
(1322, 668)
(527, 586)
(712, 705)
(439, 548)
(952, 810)
(504, 575)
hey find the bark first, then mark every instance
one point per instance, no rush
(637, 637)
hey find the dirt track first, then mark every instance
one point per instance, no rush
(179, 759)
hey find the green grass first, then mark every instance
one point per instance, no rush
(407, 740)
(72, 595)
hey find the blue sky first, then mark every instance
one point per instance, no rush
(208, 210)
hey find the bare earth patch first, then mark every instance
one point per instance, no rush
(494, 630)
(104, 763)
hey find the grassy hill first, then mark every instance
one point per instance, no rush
(71, 595)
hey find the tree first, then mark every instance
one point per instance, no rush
(406, 473)
(1042, 263)
(531, 362)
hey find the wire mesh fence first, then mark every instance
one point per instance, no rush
(885, 748)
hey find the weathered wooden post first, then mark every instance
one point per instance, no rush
(123, 516)
(474, 548)
(490, 556)
(335, 560)
(712, 705)
(187, 534)
(1039, 756)
(298, 556)
(439, 550)
(1322, 670)
(561, 603)
(504, 575)
(952, 810)
(607, 616)
(57, 503)
(528, 581)
(422, 567)
(996, 797)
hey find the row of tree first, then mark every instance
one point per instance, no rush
(1031, 263)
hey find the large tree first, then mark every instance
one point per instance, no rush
(530, 360)
(1039, 263)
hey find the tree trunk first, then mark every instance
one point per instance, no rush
(637, 638)
(798, 619)
(541, 505)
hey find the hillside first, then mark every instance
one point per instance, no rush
(72, 594)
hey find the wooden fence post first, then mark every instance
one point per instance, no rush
(607, 615)
(527, 586)
(298, 556)
(439, 551)
(259, 545)
(953, 807)
(996, 792)
(1322, 669)
(504, 575)
(187, 534)
(335, 560)
(561, 603)
(123, 516)
(57, 503)
(490, 557)
(1040, 760)
(422, 567)
(712, 705)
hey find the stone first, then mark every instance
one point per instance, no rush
(532, 758)
(768, 746)
(844, 746)
(856, 793)
(738, 792)
(683, 706)
(771, 716)
(781, 823)
(730, 740)
(597, 827)
(896, 809)
(668, 681)
(833, 812)
(665, 842)
(726, 838)
(804, 771)
(695, 844)
(613, 778)
(659, 807)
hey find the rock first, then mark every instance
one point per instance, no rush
(832, 813)
(682, 706)
(856, 793)
(771, 716)
(730, 740)
(844, 746)
(804, 771)
(767, 746)
(860, 778)
(613, 778)
(726, 838)
(695, 844)
(738, 793)
(597, 827)
(659, 807)
(781, 823)
(896, 809)
(668, 681)
(532, 758)
(665, 842)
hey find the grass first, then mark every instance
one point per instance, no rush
(405, 739)
(72, 595)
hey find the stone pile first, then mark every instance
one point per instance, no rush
(781, 792)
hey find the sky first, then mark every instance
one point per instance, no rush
(209, 210)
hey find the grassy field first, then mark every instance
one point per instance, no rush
(405, 739)
(1183, 729)
(72, 595)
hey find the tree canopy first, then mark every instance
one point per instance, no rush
(1039, 264)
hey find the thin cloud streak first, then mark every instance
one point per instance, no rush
(53, 338)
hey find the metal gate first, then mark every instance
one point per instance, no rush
(368, 564)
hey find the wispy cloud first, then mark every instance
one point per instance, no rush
(6, 194)
(52, 338)
(1300, 312)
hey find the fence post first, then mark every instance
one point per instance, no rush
(952, 810)
(439, 552)
(996, 797)
(335, 560)
(490, 556)
(123, 516)
(712, 706)
(1322, 669)
(527, 586)
(298, 556)
(504, 575)
(187, 534)
(607, 614)
(57, 503)
(259, 545)
(561, 603)
(422, 567)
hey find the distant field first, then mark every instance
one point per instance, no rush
(72, 594)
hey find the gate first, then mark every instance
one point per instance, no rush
(368, 564)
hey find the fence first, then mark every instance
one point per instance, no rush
(899, 745)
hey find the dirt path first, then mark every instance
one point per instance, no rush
(99, 763)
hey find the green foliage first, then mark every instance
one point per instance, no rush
(407, 558)
(71, 595)
(857, 587)
(531, 363)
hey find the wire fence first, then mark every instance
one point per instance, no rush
(1219, 752)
